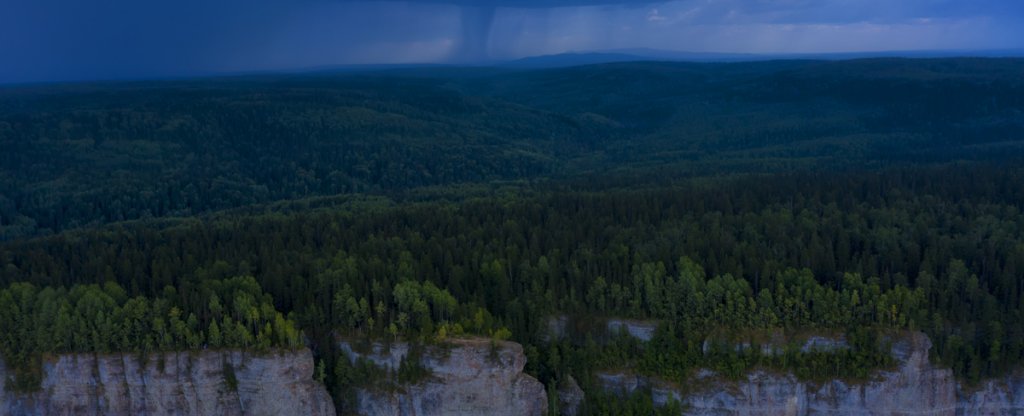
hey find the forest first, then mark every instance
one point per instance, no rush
(722, 200)
(230, 313)
(83, 155)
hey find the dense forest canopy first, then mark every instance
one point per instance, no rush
(81, 155)
(860, 197)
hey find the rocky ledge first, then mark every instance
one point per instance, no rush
(185, 383)
(467, 377)
(915, 387)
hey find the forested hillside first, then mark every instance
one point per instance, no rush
(721, 200)
(81, 155)
(919, 248)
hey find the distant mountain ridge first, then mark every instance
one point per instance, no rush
(569, 59)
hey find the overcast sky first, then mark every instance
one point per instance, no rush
(46, 40)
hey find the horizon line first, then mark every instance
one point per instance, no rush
(510, 64)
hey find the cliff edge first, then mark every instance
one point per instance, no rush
(914, 387)
(183, 383)
(467, 377)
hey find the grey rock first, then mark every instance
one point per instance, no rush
(468, 377)
(825, 344)
(622, 383)
(557, 328)
(570, 397)
(915, 387)
(641, 330)
(1000, 397)
(777, 344)
(186, 383)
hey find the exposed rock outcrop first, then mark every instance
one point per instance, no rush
(915, 387)
(186, 383)
(776, 343)
(578, 328)
(622, 383)
(1001, 397)
(557, 328)
(570, 397)
(468, 377)
(641, 330)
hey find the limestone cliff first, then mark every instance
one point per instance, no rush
(1001, 397)
(186, 383)
(468, 377)
(915, 387)
(570, 397)
(642, 330)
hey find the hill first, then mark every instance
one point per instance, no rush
(89, 154)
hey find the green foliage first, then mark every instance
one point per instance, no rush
(320, 373)
(939, 250)
(501, 334)
(634, 404)
(411, 370)
(230, 379)
(103, 319)
(346, 377)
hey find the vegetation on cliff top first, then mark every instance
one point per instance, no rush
(230, 313)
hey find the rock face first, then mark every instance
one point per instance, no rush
(470, 377)
(559, 327)
(570, 397)
(187, 383)
(1002, 397)
(914, 388)
(642, 330)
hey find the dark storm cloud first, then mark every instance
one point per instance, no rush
(75, 39)
(526, 4)
(850, 11)
(477, 19)
(61, 39)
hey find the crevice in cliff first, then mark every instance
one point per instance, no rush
(97, 384)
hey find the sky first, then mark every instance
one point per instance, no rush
(57, 40)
